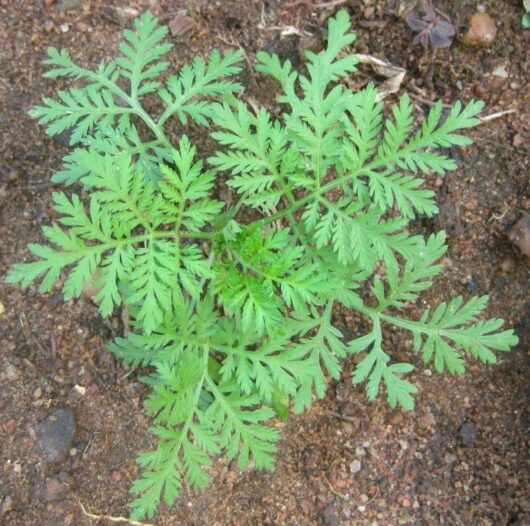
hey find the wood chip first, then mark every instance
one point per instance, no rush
(181, 26)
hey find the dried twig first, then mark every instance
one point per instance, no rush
(353, 419)
(108, 517)
(309, 4)
(36, 186)
(323, 5)
(426, 101)
(29, 335)
(335, 492)
(496, 115)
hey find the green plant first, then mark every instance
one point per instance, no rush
(231, 304)
(525, 21)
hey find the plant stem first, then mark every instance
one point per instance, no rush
(133, 103)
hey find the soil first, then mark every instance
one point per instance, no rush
(460, 458)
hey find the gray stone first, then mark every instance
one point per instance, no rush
(468, 433)
(330, 516)
(55, 435)
(355, 467)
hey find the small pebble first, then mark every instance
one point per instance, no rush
(507, 265)
(330, 516)
(55, 435)
(520, 235)
(481, 32)
(468, 433)
(11, 372)
(500, 72)
(355, 467)
(80, 389)
(7, 505)
(518, 140)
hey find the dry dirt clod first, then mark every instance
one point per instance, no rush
(518, 140)
(520, 235)
(481, 31)
(507, 265)
(54, 490)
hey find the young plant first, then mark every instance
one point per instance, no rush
(431, 28)
(231, 303)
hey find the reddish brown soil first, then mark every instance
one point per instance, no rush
(416, 469)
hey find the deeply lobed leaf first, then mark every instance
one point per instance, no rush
(231, 304)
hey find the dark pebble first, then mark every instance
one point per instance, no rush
(330, 516)
(520, 235)
(55, 435)
(63, 138)
(468, 433)
(473, 285)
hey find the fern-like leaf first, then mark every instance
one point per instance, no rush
(142, 50)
